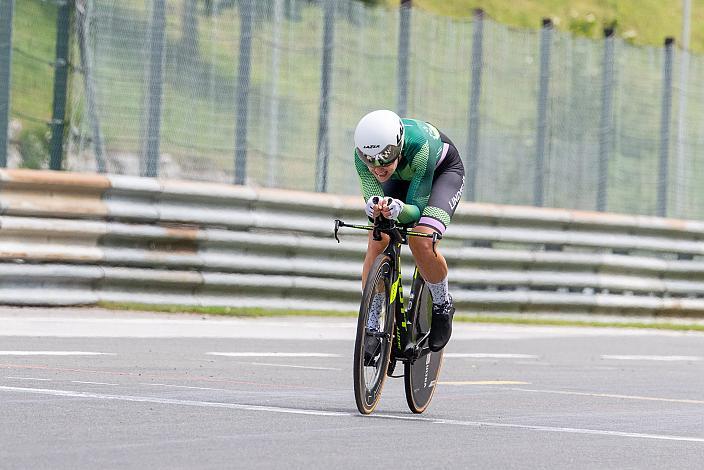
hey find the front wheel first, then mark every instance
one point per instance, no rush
(372, 346)
(421, 376)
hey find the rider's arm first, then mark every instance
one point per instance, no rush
(409, 214)
(370, 185)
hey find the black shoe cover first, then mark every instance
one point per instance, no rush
(441, 326)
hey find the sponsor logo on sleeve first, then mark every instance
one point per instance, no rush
(457, 197)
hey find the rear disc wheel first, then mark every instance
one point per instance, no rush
(420, 377)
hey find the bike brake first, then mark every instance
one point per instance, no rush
(337, 228)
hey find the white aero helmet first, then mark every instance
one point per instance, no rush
(378, 137)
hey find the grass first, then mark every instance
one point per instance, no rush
(227, 311)
(34, 34)
(560, 322)
(511, 320)
(644, 22)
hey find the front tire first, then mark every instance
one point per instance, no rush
(369, 378)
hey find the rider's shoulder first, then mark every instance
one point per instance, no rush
(419, 131)
(412, 125)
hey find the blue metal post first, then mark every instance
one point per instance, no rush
(541, 144)
(58, 116)
(474, 105)
(243, 72)
(155, 90)
(606, 129)
(6, 7)
(404, 45)
(665, 128)
(321, 176)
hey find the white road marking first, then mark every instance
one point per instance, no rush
(170, 401)
(188, 387)
(173, 326)
(54, 353)
(91, 383)
(292, 366)
(601, 432)
(28, 378)
(173, 319)
(491, 356)
(485, 382)
(275, 409)
(612, 395)
(270, 354)
(652, 358)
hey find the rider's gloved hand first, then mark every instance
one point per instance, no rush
(392, 208)
(372, 209)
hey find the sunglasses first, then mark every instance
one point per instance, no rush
(389, 155)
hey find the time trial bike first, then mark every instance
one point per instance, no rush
(402, 330)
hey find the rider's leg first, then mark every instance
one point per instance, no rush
(374, 249)
(448, 184)
(433, 268)
(431, 264)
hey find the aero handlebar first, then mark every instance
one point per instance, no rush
(398, 234)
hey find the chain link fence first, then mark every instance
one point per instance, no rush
(268, 92)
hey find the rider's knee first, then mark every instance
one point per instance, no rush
(420, 246)
(378, 246)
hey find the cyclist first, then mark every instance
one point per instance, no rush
(415, 174)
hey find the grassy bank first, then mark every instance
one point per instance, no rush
(33, 44)
(491, 319)
(641, 21)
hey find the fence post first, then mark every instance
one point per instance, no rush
(680, 182)
(83, 18)
(58, 115)
(155, 89)
(243, 71)
(274, 105)
(474, 104)
(6, 7)
(606, 129)
(545, 40)
(404, 44)
(321, 168)
(665, 127)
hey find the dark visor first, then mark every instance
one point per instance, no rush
(388, 155)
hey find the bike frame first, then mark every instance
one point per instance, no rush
(404, 348)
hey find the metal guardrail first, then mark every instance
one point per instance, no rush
(68, 239)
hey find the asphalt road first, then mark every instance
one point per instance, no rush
(97, 389)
